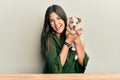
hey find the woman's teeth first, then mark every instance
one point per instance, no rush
(58, 27)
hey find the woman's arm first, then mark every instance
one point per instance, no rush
(79, 50)
(63, 54)
(79, 47)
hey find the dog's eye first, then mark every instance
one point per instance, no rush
(76, 22)
(71, 22)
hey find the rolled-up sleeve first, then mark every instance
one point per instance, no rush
(86, 58)
(81, 68)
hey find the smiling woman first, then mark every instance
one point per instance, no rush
(21, 23)
(59, 57)
(57, 23)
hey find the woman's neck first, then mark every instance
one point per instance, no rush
(58, 35)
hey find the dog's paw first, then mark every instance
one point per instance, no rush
(73, 49)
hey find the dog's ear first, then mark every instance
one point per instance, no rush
(69, 20)
(79, 20)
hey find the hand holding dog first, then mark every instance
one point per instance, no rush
(73, 35)
(78, 32)
(78, 39)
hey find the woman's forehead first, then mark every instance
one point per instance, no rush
(53, 15)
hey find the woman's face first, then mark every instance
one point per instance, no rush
(57, 23)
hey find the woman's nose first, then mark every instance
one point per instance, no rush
(56, 22)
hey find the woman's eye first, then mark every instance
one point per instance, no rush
(51, 20)
(58, 18)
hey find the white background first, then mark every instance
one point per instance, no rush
(21, 22)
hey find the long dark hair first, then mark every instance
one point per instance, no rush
(47, 29)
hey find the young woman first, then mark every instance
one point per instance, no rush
(55, 44)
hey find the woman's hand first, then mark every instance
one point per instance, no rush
(78, 33)
(74, 36)
(70, 35)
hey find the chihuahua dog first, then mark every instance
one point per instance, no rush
(73, 25)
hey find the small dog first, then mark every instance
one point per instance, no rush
(73, 25)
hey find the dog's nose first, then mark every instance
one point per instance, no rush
(74, 27)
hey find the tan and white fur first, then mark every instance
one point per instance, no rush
(73, 24)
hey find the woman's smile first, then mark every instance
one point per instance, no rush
(58, 27)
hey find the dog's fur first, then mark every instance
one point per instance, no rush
(73, 25)
(73, 22)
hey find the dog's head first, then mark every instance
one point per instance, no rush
(73, 22)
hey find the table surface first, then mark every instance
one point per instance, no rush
(104, 76)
